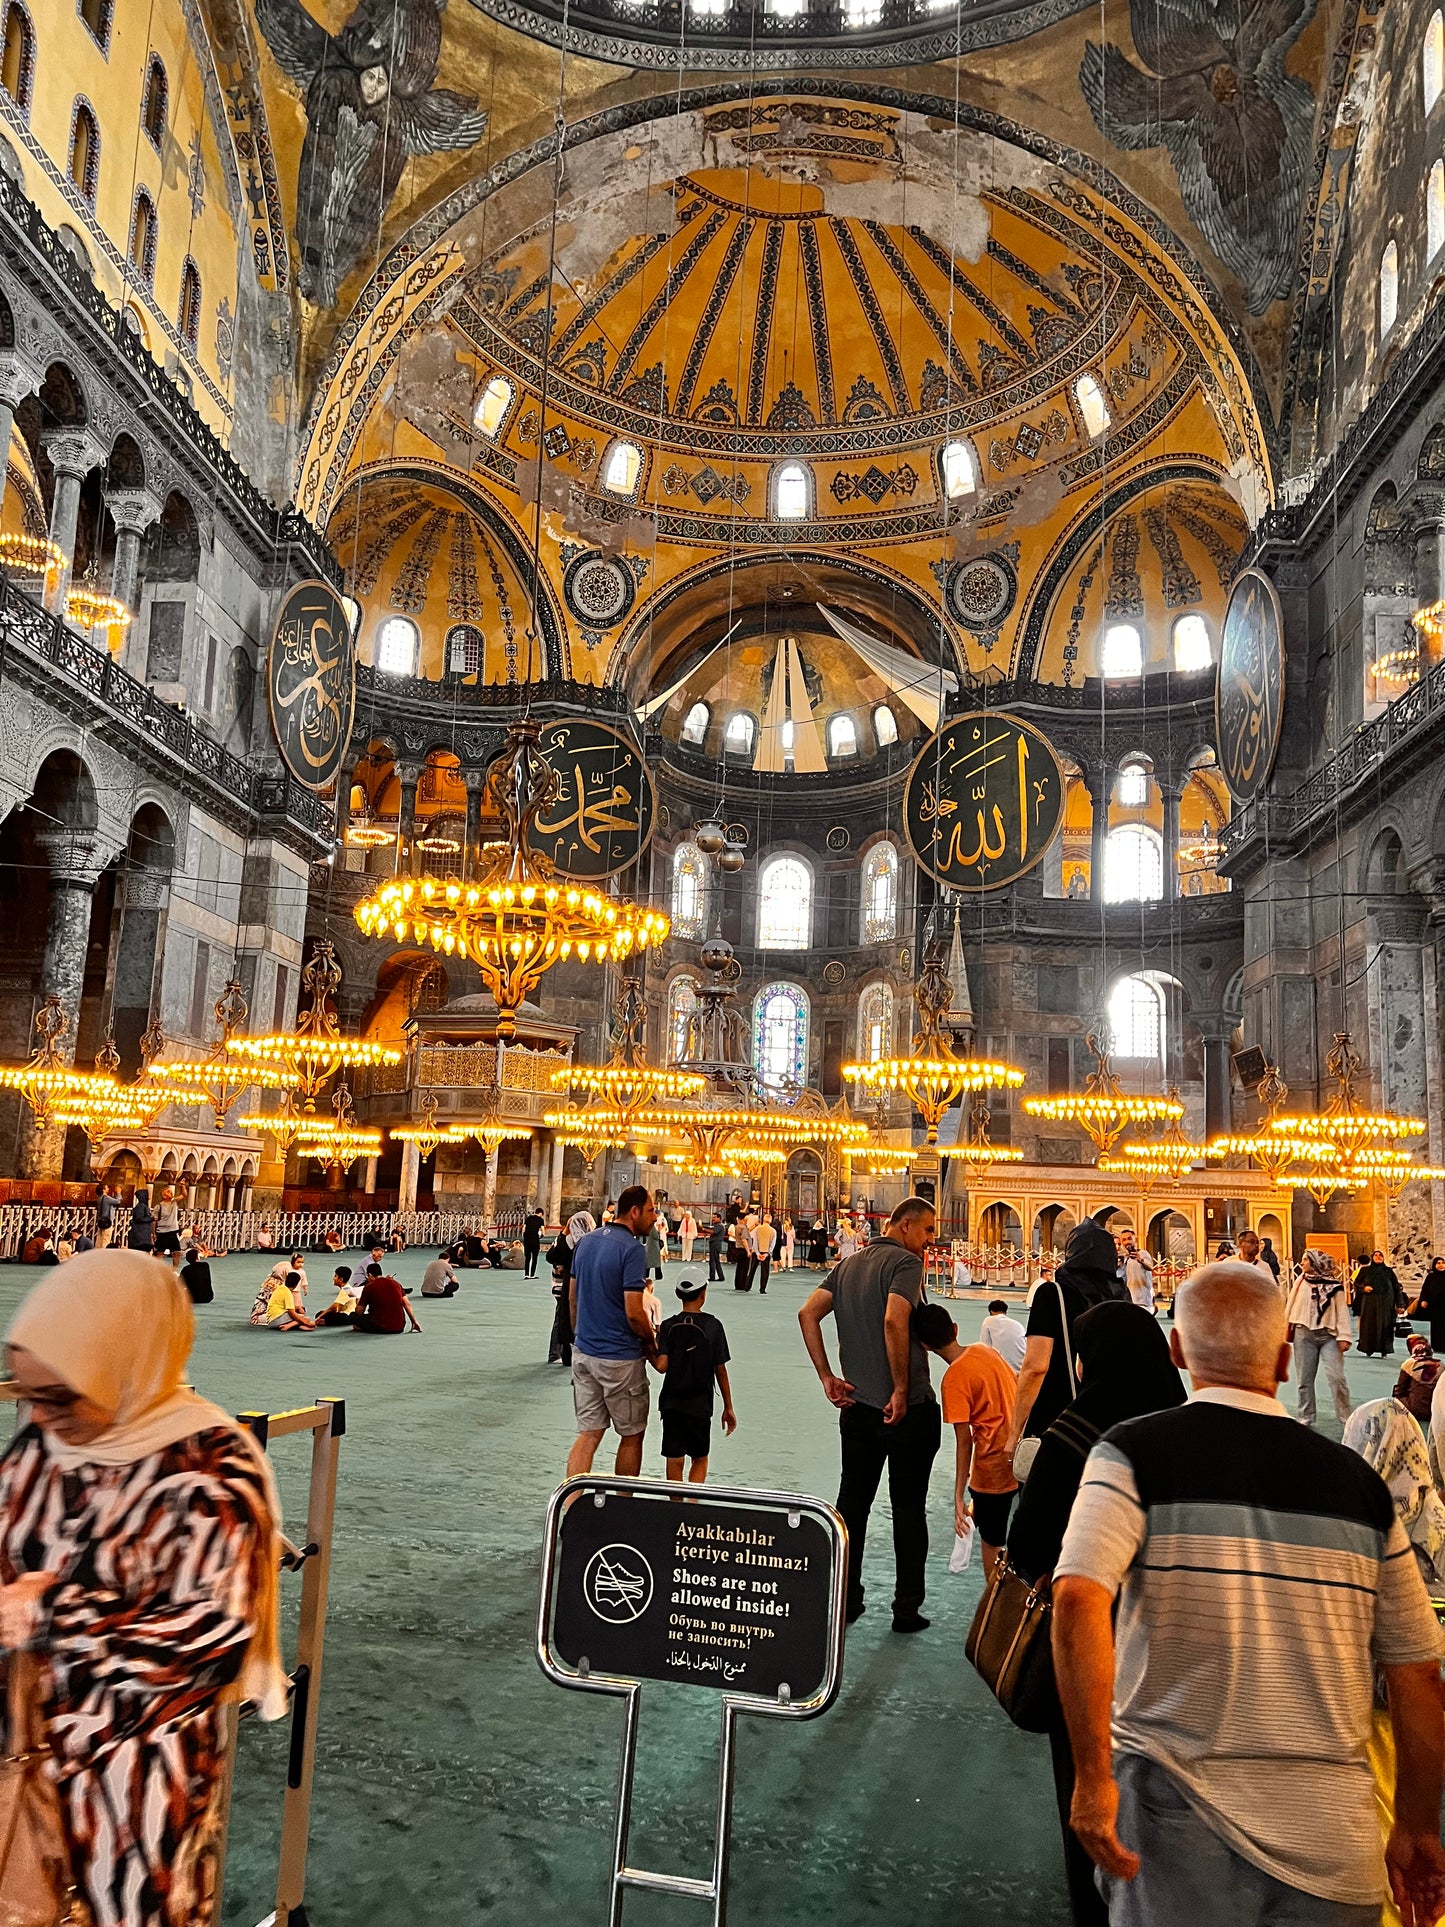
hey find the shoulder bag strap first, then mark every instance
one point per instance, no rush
(1068, 1346)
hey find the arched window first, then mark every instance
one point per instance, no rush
(157, 102)
(17, 60)
(98, 15)
(780, 1035)
(1435, 211)
(739, 734)
(862, 13)
(785, 905)
(694, 724)
(880, 894)
(1136, 1019)
(1193, 648)
(1389, 288)
(465, 644)
(492, 405)
(1092, 406)
(1432, 59)
(1123, 651)
(1133, 786)
(875, 1023)
(143, 237)
(190, 312)
(792, 494)
(885, 725)
(84, 167)
(689, 891)
(396, 647)
(681, 1003)
(1133, 864)
(959, 470)
(622, 468)
(842, 736)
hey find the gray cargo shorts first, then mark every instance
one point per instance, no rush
(610, 1391)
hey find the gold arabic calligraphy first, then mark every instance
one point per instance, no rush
(591, 815)
(309, 678)
(982, 804)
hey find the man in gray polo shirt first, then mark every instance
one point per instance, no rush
(887, 1411)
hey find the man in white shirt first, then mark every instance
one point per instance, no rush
(1138, 1273)
(765, 1239)
(1004, 1335)
(1319, 1330)
(1249, 1254)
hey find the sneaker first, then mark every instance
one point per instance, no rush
(915, 1624)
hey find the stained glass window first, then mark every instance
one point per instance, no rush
(880, 894)
(780, 1035)
(689, 891)
(785, 905)
(681, 1003)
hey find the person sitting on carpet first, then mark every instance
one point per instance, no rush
(1419, 1375)
(278, 1307)
(196, 1277)
(342, 1309)
(332, 1242)
(692, 1356)
(383, 1308)
(439, 1280)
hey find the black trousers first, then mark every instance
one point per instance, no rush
(1086, 1903)
(743, 1275)
(764, 1266)
(560, 1343)
(530, 1254)
(714, 1266)
(908, 1449)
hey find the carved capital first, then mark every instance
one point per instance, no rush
(72, 451)
(132, 509)
(19, 377)
(77, 857)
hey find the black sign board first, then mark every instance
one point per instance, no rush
(983, 800)
(311, 683)
(715, 1589)
(1249, 696)
(601, 817)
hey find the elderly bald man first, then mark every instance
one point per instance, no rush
(1219, 1729)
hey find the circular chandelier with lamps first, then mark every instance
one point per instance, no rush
(931, 1076)
(519, 916)
(57, 1090)
(975, 1153)
(29, 554)
(221, 1077)
(426, 1134)
(1104, 1110)
(1342, 1124)
(310, 1056)
(626, 1083)
(89, 608)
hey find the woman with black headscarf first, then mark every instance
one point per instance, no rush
(1125, 1371)
(1088, 1276)
(1431, 1303)
(1377, 1298)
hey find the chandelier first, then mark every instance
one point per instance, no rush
(585, 1129)
(1342, 1127)
(90, 609)
(626, 1082)
(311, 1054)
(46, 1081)
(975, 1152)
(337, 1140)
(283, 1124)
(29, 554)
(520, 916)
(931, 1077)
(221, 1077)
(1103, 1110)
(426, 1134)
(1147, 1164)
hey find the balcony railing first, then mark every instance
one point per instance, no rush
(24, 624)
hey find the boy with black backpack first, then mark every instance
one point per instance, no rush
(692, 1354)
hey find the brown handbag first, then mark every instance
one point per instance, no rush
(37, 1888)
(1009, 1647)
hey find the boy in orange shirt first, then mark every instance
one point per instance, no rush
(978, 1393)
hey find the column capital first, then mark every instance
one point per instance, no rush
(132, 509)
(408, 773)
(72, 451)
(19, 377)
(77, 857)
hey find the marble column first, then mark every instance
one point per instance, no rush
(476, 782)
(73, 453)
(489, 1191)
(368, 1181)
(408, 775)
(1099, 785)
(1172, 799)
(1429, 574)
(536, 1167)
(1217, 1029)
(77, 858)
(18, 378)
(410, 1166)
(554, 1188)
(132, 510)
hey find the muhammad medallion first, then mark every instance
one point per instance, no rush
(1249, 696)
(311, 683)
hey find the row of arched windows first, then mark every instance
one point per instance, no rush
(785, 898)
(740, 732)
(1122, 651)
(1432, 78)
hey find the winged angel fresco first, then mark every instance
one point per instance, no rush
(1236, 125)
(370, 105)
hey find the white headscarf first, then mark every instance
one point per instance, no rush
(1387, 1436)
(117, 1327)
(578, 1225)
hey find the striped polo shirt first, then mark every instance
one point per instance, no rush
(1261, 1574)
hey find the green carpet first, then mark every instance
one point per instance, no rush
(454, 1782)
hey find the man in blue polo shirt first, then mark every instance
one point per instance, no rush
(613, 1336)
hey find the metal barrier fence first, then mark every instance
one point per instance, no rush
(244, 1230)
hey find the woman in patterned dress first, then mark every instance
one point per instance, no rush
(138, 1565)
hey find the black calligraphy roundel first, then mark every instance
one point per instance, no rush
(311, 683)
(601, 818)
(1249, 696)
(983, 801)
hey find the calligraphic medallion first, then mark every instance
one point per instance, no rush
(311, 683)
(1249, 696)
(601, 819)
(983, 800)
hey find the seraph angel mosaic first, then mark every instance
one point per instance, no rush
(370, 106)
(1214, 93)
